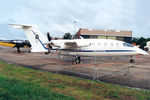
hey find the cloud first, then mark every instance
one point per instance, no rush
(57, 16)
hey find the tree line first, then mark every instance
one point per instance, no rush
(140, 41)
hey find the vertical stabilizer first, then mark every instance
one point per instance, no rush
(35, 37)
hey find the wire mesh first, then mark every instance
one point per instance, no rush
(116, 70)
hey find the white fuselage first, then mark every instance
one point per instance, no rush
(79, 47)
(98, 47)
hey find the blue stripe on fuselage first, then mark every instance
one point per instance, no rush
(73, 50)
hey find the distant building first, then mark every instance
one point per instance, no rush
(147, 47)
(105, 34)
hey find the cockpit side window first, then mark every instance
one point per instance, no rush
(127, 45)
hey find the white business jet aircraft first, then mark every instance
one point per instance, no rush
(79, 47)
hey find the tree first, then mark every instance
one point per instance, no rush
(134, 40)
(67, 36)
(140, 41)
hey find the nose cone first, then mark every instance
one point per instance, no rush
(145, 53)
(140, 51)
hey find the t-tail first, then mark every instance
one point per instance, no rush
(35, 37)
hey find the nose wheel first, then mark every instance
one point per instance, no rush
(132, 60)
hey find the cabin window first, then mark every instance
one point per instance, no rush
(111, 44)
(105, 44)
(117, 44)
(127, 45)
(99, 43)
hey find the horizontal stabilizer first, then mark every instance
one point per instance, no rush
(20, 26)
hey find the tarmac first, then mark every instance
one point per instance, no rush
(138, 76)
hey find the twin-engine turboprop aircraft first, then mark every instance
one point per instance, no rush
(15, 44)
(79, 47)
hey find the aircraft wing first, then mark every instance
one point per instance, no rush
(76, 44)
(7, 44)
(69, 44)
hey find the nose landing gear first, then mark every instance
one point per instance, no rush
(132, 60)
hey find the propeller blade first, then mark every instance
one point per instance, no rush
(49, 45)
(48, 36)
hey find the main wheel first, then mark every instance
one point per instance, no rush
(132, 61)
(78, 60)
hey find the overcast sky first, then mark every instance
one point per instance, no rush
(58, 16)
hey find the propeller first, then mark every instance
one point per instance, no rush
(49, 44)
(48, 36)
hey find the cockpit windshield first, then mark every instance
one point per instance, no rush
(127, 45)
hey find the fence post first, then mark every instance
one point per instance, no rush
(58, 62)
(95, 70)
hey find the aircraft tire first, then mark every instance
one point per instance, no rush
(132, 61)
(78, 60)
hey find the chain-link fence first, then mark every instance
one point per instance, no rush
(117, 70)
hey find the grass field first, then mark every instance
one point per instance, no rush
(19, 83)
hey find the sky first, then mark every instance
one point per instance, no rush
(58, 16)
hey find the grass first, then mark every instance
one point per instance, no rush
(12, 89)
(19, 83)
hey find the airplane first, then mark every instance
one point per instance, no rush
(15, 44)
(79, 47)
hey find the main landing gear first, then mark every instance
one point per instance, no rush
(77, 60)
(49, 49)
